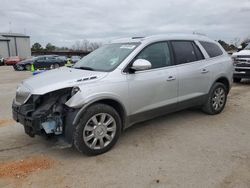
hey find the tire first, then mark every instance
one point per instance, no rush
(210, 106)
(92, 137)
(55, 66)
(28, 67)
(237, 80)
(18, 68)
(15, 68)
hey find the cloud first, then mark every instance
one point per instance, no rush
(64, 22)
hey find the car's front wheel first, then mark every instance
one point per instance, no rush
(217, 99)
(98, 130)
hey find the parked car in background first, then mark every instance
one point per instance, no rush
(241, 64)
(12, 60)
(123, 83)
(41, 62)
(64, 58)
(1, 60)
(74, 59)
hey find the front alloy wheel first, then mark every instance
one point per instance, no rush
(98, 129)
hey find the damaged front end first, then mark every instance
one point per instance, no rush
(45, 114)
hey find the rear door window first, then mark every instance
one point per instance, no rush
(186, 51)
(212, 49)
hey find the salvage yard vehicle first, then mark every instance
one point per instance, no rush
(75, 58)
(64, 58)
(1, 60)
(241, 64)
(41, 62)
(123, 83)
(12, 60)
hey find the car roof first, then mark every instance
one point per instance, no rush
(155, 38)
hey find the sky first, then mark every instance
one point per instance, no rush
(63, 22)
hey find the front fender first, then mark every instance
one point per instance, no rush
(79, 100)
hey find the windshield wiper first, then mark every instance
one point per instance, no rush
(85, 68)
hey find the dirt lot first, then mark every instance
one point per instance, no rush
(184, 149)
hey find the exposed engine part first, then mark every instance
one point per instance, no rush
(43, 113)
(53, 125)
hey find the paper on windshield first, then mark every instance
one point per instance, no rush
(128, 46)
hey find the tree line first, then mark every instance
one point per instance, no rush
(87, 46)
(83, 45)
(234, 44)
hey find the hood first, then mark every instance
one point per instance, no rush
(60, 78)
(242, 52)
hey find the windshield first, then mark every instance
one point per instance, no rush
(75, 57)
(107, 57)
(247, 47)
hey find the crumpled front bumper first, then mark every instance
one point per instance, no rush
(33, 125)
(20, 114)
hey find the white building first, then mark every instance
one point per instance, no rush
(14, 44)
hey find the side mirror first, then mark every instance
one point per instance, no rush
(141, 64)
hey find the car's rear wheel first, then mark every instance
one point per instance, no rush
(237, 80)
(28, 67)
(217, 99)
(98, 130)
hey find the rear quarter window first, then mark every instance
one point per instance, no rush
(212, 49)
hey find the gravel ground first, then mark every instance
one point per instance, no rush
(183, 149)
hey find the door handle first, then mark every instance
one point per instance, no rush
(171, 78)
(204, 71)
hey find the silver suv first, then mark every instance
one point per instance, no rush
(123, 83)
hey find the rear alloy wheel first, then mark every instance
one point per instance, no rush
(237, 80)
(28, 67)
(219, 98)
(98, 130)
(216, 100)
